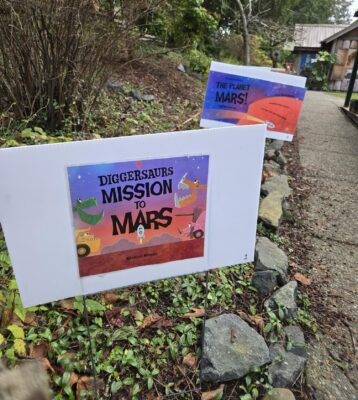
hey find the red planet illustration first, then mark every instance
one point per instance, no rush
(280, 113)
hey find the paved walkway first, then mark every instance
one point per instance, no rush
(329, 155)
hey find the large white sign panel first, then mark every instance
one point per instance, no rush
(90, 216)
(242, 95)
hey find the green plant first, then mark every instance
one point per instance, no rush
(198, 61)
(304, 316)
(317, 72)
(274, 326)
(257, 381)
(263, 231)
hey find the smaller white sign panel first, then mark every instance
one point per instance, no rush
(242, 95)
(85, 217)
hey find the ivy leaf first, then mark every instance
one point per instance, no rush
(20, 311)
(19, 347)
(136, 389)
(281, 314)
(16, 331)
(10, 354)
(128, 381)
(268, 327)
(116, 385)
(150, 383)
(2, 339)
(94, 306)
(66, 378)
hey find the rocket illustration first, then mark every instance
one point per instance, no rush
(140, 234)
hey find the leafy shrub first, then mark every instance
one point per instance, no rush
(183, 23)
(317, 72)
(231, 47)
(198, 61)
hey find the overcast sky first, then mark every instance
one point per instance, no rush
(354, 7)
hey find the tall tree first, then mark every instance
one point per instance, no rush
(245, 20)
(342, 12)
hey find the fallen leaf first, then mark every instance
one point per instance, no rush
(212, 394)
(31, 319)
(110, 297)
(83, 383)
(257, 320)
(190, 360)
(244, 316)
(163, 323)
(73, 379)
(87, 383)
(67, 304)
(196, 312)
(150, 320)
(38, 351)
(46, 364)
(114, 317)
(150, 396)
(302, 279)
(68, 356)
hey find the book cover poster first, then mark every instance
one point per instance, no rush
(136, 213)
(244, 100)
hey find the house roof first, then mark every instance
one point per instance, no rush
(340, 33)
(311, 35)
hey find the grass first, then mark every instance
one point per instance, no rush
(343, 95)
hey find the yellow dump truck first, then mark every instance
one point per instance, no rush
(87, 243)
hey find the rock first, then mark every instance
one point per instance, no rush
(286, 366)
(231, 349)
(136, 94)
(27, 382)
(274, 145)
(285, 298)
(277, 156)
(181, 68)
(139, 96)
(270, 212)
(198, 76)
(279, 394)
(278, 183)
(269, 257)
(281, 159)
(265, 282)
(115, 86)
(270, 154)
(148, 97)
(272, 168)
(295, 340)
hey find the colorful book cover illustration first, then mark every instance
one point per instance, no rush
(130, 214)
(244, 100)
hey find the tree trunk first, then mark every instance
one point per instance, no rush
(245, 33)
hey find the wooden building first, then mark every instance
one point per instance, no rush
(307, 41)
(343, 45)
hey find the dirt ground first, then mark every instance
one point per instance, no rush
(324, 166)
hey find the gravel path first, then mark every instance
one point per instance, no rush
(328, 144)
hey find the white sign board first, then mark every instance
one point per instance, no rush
(85, 217)
(242, 95)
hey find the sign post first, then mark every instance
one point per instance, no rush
(86, 217)
(238, 95)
